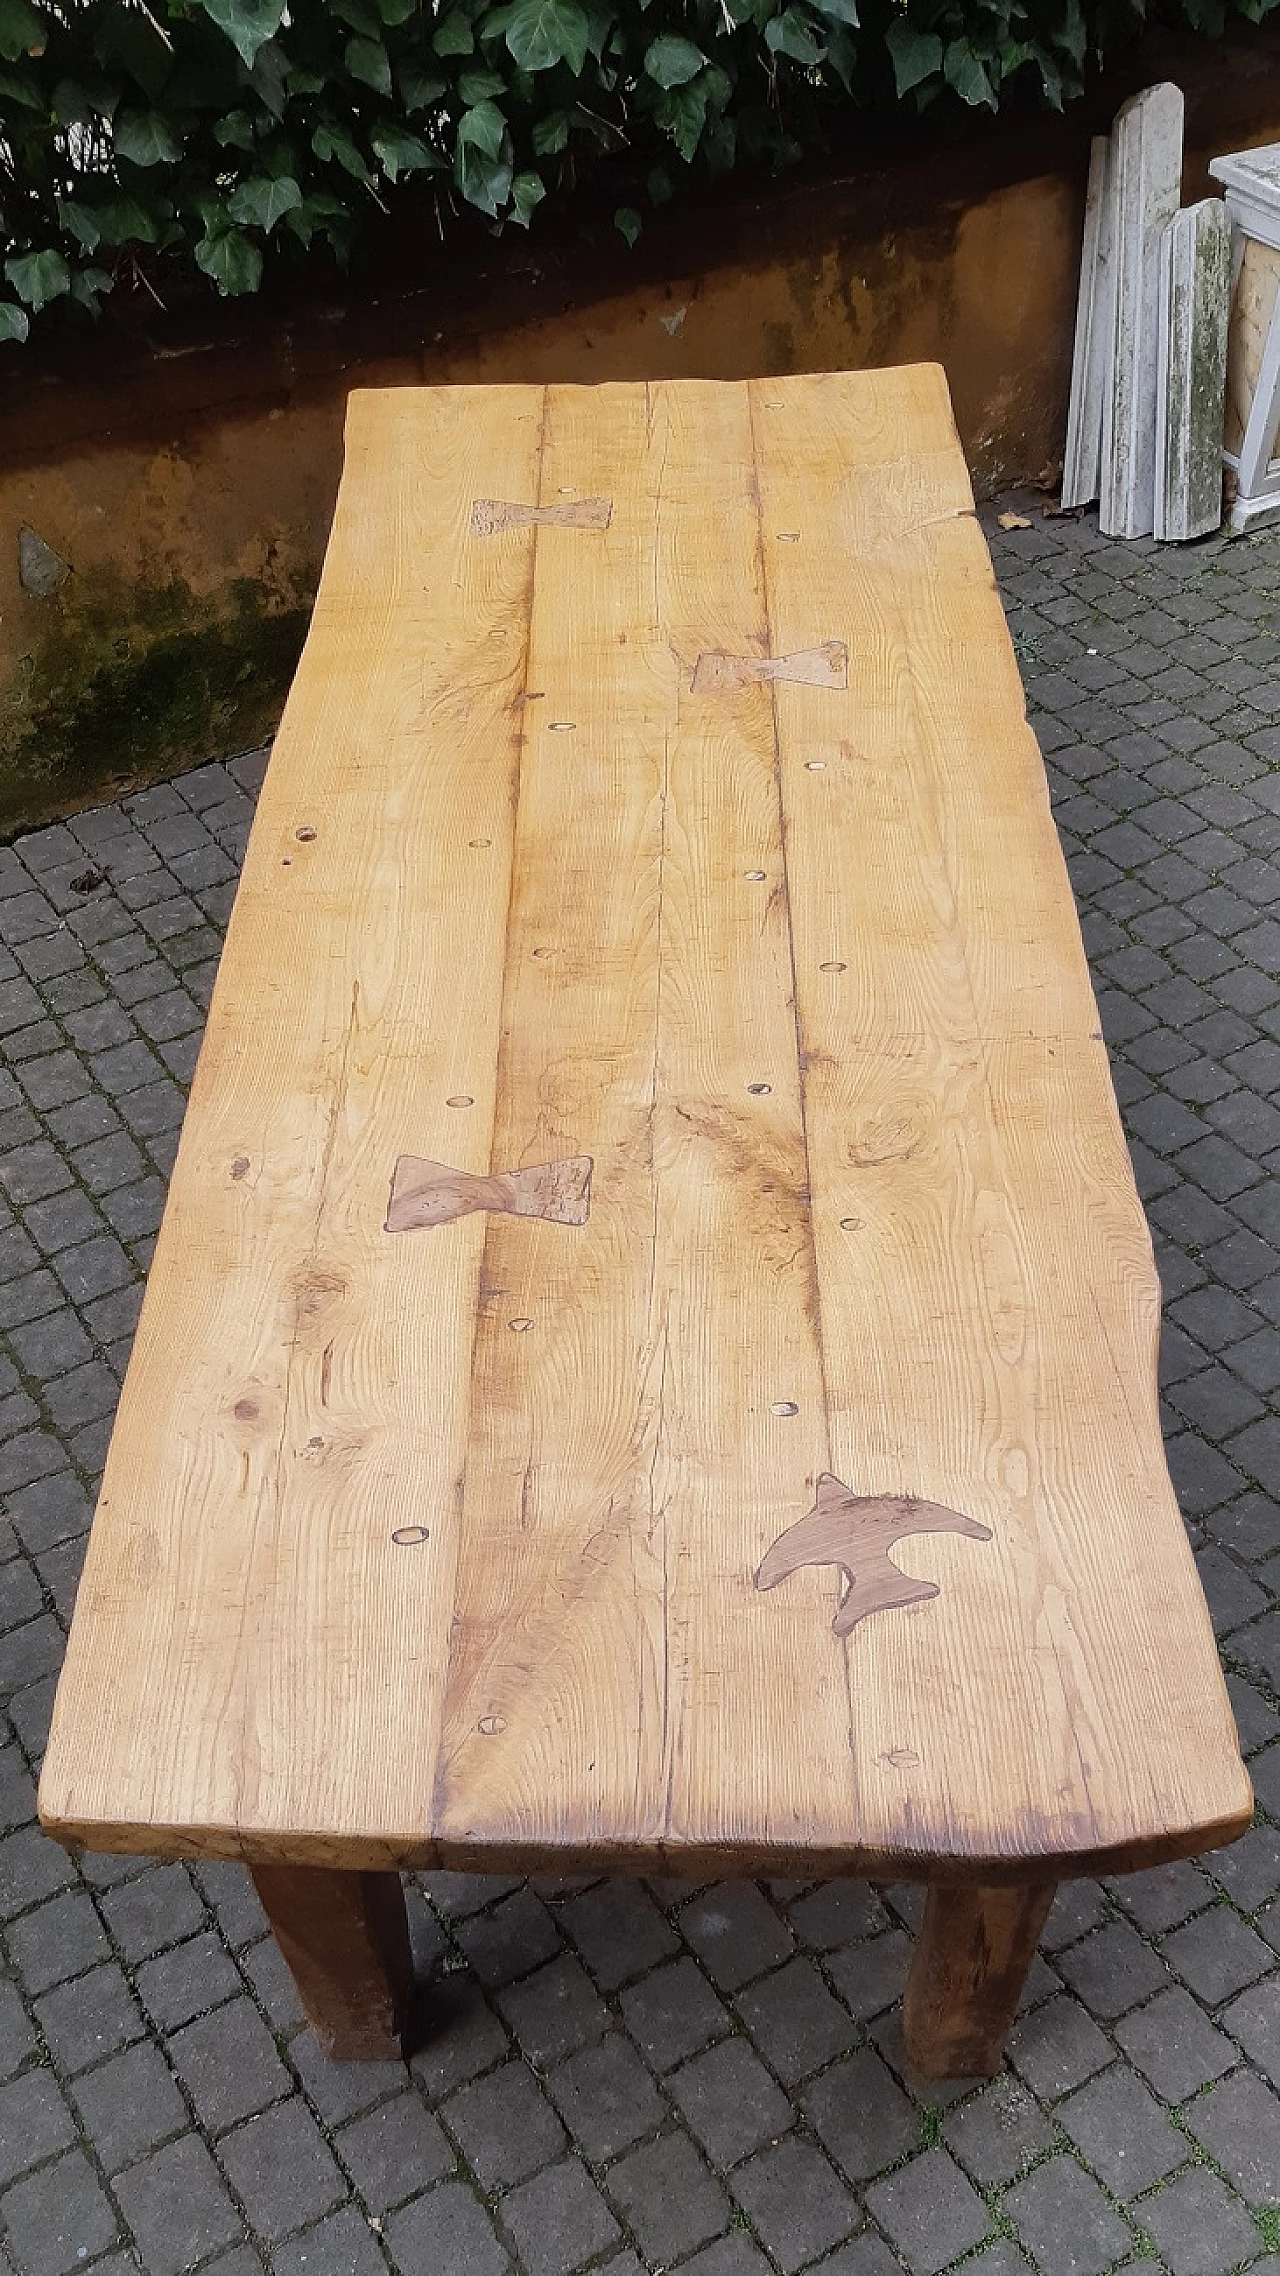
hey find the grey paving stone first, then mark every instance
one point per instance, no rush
(1199, 2227)
(929, 2211)
(464, 2038)
(228, 2063)
(619, 1932)
(1064, 2220)
(837, 1913)
(34, 2122)
(177, 2207)
(186, 1981)
(157, 1909)
(1174, 2045)
(282, 2170)
(61, 1938)
(394, 2152)
(998, 2133)
(861, 2115)
(1254, 2019)
(672, 2012)
(794, 2020)
(342, 2245)
(512, 1940)
(1216, 1955)
(89, 2018)
(1238, 2122)
(729, 2102)
(1122, 2133)
(606, 2098)
(58, 2218)
(668, 2198)
(446, 2229)
(554, 2012)
(559, 2220)
(798, 2205)
(17, 2039)
(1058, 2046)
(735, 1932)
(130, 2105)
(504, 2126)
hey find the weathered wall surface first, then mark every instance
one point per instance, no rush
(186, 484)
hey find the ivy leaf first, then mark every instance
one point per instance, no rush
(671, 61)
(235, 131)
(82, 222)
(915, 55)
(262, 200)
(845, 11)
(248, 24)
(14, 322)
(330, 141)
(477, 86)
(967, 74)
(628, 223)
(399, 152)
(527, 191)
(232, 260)
(144, 137)
(1071, 34)
(367, 61)
(418, 89)
(124, 220)
(454, 36)
(23, 87)
(551, 133)
(681, 112)
(542, 33)
(300, 82)
(396, 11)
(22, 31)
(482, 128)
(790, 34)
(88, 286)
(38, 278)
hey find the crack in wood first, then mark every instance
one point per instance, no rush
(856, 1532)
(716, 673)
(425, 1193)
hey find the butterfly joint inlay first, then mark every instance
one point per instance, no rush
(489, 515)
(715, 672)
(431, 1193)
(856, 1532)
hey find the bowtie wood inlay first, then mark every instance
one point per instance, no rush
(489, 515)
(431, 1193)
(856, 1532)
(826, 667)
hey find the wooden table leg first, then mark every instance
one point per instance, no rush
(967, 1974)
(345, 1937)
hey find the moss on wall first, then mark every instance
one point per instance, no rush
(125, 683)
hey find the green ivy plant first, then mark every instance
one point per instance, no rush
(140, 140)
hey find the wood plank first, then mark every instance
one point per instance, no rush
(256, 1660)
(1195, 299)
(1145, 184)
(988, 1300)
(1093, 349)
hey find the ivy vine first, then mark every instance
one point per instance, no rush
(140, 140)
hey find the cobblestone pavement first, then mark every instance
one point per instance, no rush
(631, 2077)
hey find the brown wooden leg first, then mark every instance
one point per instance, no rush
(967, 1974)
(345, 1937)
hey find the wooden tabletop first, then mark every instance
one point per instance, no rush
(651, 1351)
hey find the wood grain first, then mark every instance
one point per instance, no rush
(447, 1546)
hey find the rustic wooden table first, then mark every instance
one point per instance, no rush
(650, 1358)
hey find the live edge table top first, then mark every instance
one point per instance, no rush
(651, 1352)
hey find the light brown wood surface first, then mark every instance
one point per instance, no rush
(442, 1543)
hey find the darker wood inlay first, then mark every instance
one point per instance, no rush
(431, 1193)
(856, 1532)
(489, 515)
(826, 667)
